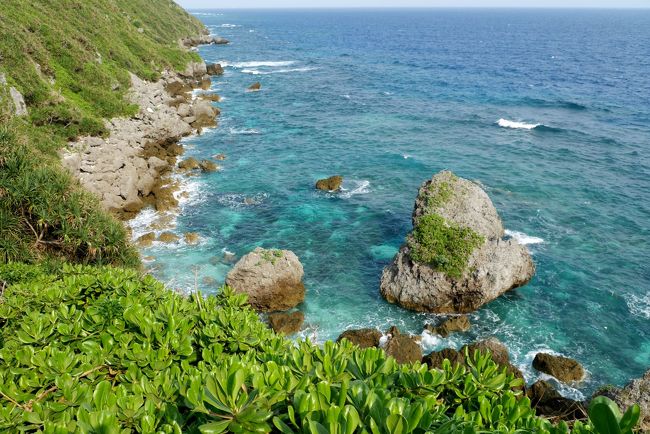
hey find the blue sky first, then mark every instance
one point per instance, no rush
(411, 3)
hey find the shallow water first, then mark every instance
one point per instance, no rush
(549, 110)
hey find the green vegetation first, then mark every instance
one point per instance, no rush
(103, 350)
(444, 245)
(607, 418)
(71, 60)
(271, 256)
(439, 193)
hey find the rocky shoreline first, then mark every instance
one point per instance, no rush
(131, 168)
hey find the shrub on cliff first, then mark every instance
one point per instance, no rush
(105, 350)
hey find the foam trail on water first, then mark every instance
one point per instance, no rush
(362, 187)
(257, 64)
(505, 123)
(639, 305)
(277, 71)
(244, 132)
(523, 238)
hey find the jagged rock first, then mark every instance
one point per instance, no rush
(215, 69)
(204, 113)
(190, 163)
(194, 70)
(191, 238)
(492, 267)
(454, 324)
(286, 323)
(208, 166)
(333, 183)
(178, 88)
(435, 358)
(637, 391)
(163, 197)
(20, 108)
(211, 97)
(255, 87)
(146, 240)
(548, 402)
(364, 338)
(563, 368)
(202, 40)
(404, 348)
(271, 278)
(168, 237)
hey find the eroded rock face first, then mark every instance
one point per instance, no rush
(493, 267)
(333, 183)
(563, 368)
(271, 278)
(215, 69)
(286, 323)
(637, 392)
(364, 338)
(404, 349)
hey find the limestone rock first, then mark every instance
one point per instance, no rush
(20, 108)
(168, 237)
(215, 69)
(191, 238)
(364, 338)
(454, 324)
(563, 368)
(208, 166)
(204, 114)
(404, 349)
(493, 267)
(637, 392)
(190, 163)
(255, 87)
(286, 323)
(146, 240)
(272, 279)
(333, 183)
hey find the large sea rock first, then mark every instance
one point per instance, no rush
(494, 266)
(271, 278)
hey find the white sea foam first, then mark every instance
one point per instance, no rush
(244, 132)
(407, 156)
(383, 340)
(523, 238)
(277, 71)
(505, 123)
(229, 26)
(360, 187)
(239, 200)
(531, 375)
(140, 223)
(258, 64)
(347, 96)
(429, 340)
(639, 305)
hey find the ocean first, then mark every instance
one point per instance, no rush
(548, 109)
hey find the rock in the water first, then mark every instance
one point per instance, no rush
(208, 166)
(189, 164)
(204, 114)
(456, 259)
(168, 237)
(271, 278)
(404, 349)
(637, 392)
(364, 338)
(454, 324)
(286, 323)
(146, 240)
(563, 368)
(215, 69)
(219, 157)
(191, 238)
(255, 87)
(333, 183)
(548, 402)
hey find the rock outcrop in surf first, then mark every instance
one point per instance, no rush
(456, 258)
(272, 279)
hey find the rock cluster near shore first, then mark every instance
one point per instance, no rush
(127, 169)
(492, 267)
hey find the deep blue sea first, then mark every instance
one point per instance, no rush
(549, 110)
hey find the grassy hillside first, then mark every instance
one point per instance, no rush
(71, 61)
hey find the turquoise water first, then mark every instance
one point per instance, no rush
(387, 99)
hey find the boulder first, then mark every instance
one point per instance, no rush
(272, 279)
(190, 163)
(255, 87)
(146, 240)
(208, 166)
(214, 97)
(435, 358)
(215, 69)
(194, 70)
(333, 183)
(191, 238)
(286, 323)
(363, 338)
(563, 368)
(204, 114)
(20, 108)
(637, 392)
(219, 157)
(454, 324)
(548, 402)
(404, 348)
(168, 237)
(456, 259)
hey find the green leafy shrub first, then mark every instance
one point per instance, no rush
(105, 350)
(442, 244)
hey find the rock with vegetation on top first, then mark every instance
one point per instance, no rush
(215, 69)
(272, 279)
(333, 183)
(455, 260)
(563, 368)
(454, 324)
(636, 391)
(364, 338)
(404, 348)
(286, 323)
(255, 87)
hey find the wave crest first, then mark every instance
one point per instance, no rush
(505, 123)
(522, 238)
(260, 63)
